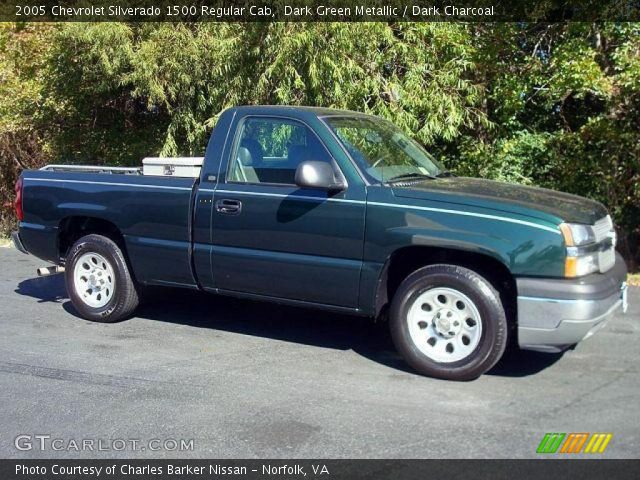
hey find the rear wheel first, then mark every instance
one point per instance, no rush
(448, 322)
(98, 280)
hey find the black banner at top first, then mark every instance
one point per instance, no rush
(319, 10)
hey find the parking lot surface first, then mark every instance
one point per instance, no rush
(247, 379)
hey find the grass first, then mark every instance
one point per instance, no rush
(5, 242)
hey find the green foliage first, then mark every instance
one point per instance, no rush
(90, 114)
(565, 101)
(518, 159)
(556, 105)
(23, 50)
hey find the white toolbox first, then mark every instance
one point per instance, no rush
(172, 166)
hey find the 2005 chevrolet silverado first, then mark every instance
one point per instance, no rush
(338, 210)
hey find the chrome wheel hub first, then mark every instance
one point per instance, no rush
(444, 324)
(94, 280)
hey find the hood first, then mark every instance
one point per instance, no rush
(531, 201)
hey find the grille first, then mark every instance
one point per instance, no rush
(602, 228)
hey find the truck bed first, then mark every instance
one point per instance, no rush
(151, 212)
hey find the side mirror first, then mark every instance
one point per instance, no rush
(320, 175)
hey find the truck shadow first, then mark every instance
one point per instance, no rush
(45, 289)
(278, 322)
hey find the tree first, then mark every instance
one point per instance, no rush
(555, 105)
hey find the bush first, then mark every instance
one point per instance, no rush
(555, 105)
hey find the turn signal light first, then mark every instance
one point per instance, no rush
(571, 267)
(578, 266)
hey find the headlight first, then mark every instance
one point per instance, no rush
(576, 235)
(583, 249)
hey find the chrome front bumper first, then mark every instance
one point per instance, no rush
(554, 315)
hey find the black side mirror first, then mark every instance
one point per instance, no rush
(320, 175)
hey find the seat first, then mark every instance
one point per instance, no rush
(248, 159)
(244, 171)
(256, 151)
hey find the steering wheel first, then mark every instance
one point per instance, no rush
(378, 161)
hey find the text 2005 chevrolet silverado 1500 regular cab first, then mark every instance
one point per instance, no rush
(338, 210)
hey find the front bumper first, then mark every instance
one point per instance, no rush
(17, 242)
(553, 314)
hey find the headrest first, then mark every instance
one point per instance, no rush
(244, 156)
(254, 148)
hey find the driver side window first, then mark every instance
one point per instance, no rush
(269, 150)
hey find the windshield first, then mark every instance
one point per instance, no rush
(382, 150)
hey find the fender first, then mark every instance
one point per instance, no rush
(431, 232)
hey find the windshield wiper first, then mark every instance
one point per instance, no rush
(445, 173)
(407, 176)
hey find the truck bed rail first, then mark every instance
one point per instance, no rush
(93, 168)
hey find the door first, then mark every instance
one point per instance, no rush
(273, 238)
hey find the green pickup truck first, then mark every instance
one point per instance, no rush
(336, 210)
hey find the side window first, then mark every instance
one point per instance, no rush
(270, 149)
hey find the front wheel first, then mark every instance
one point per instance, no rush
(448, 322)
(98, 280)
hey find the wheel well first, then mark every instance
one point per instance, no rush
(73, 228)
(407, 260)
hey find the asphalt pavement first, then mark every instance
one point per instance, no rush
(195, 375)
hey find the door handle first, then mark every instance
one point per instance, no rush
(229, 206)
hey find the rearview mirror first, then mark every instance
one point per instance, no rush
(320, 175)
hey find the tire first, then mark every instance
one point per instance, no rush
(98, 280)
(448, 322)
